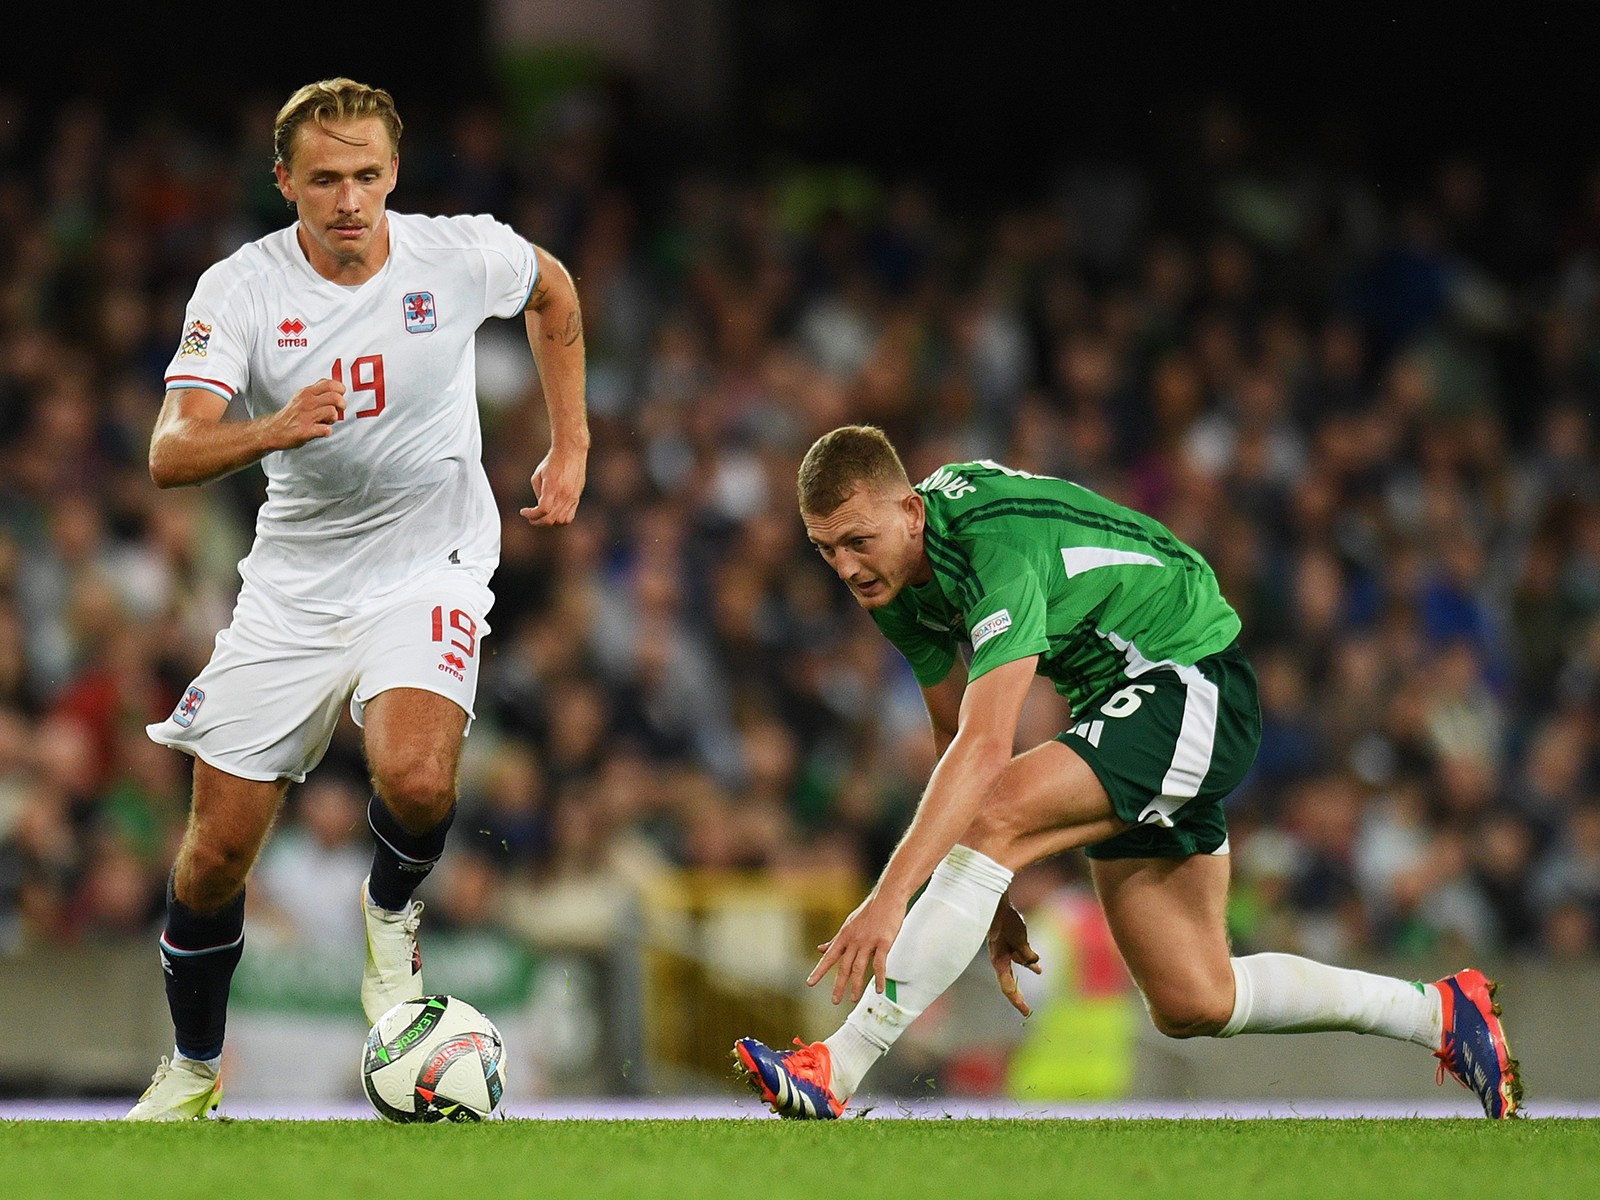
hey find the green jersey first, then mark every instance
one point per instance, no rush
(1026, 564)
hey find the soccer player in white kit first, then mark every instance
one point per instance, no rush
(349, 338)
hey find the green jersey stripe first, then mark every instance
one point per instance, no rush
(968, 586)
(948, 563)
(1066, 511)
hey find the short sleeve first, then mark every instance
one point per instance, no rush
(930, 652)
(213, 348)
(511, 267)
(1007, 620)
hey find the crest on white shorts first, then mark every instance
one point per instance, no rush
(184, 714)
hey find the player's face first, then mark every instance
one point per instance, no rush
(338, 178)
(873, 541)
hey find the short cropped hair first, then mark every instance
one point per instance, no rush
(328, 101)
(842, 462)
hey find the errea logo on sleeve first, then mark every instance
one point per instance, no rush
(989, 626)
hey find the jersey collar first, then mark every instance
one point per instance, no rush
(303, 264)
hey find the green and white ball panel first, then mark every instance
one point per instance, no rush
(435, 1058)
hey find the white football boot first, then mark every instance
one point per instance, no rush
(180, 1090)
(394, 958)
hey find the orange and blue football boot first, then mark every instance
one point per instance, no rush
(1474, 1048)
(793, 1083)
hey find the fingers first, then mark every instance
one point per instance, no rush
(326, 391)
(1008, 986)
(311, 413)
(549, 513)
(858, 957)
(844, 980)
(315, 410)
(850, 979)
(554, 502)
(865, 962)
(1002, 958)
(830, 955)
(1013, 992)
(1026, 956)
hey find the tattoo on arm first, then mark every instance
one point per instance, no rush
(537, 297)
(573, 330)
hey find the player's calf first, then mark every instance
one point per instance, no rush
(199, 952)
(401, 859)
(1190, 1016)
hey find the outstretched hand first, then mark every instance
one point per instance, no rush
(1008, 944)
(860, 949)
(557, 483)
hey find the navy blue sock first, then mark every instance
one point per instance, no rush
(401, 860)
(198, 954)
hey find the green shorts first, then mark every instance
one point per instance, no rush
(1169, 745)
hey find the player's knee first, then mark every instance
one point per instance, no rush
(211, 874)
(995, 831)
(419, 795)
(1190, 1016)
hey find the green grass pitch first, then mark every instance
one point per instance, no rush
(773, 1160)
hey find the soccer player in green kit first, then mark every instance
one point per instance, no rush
(1041, 576)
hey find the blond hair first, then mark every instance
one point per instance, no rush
(328, 101)
(842, 462)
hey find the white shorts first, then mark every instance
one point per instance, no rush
(266, 705)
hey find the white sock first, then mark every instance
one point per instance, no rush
(214, 1065)
(944, 929)
(1281, 993)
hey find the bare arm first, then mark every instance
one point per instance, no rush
(191, 444)
(1008, 932)
(967, 771)
(944, 709)
(985, 737)
(555, 334)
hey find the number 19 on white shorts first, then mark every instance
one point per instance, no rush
(266, 705)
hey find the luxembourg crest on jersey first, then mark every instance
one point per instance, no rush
(420, 314)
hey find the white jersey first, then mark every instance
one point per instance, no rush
(398, 488)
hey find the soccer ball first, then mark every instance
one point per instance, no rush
(434, 1058)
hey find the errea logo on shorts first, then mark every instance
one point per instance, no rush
(989, 626)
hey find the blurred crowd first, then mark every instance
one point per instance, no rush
(1369, 402)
